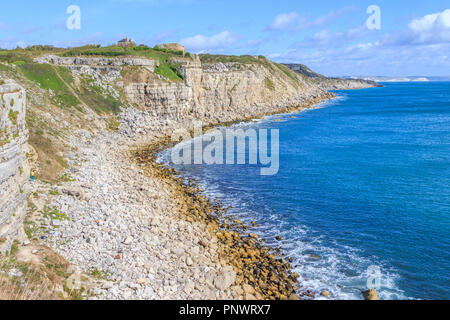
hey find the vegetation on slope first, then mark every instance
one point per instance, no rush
(169, 71)
(97, 100)
(155, 53)
(45, 276)
(245, 59)
(56, 103)
(276, 69)
(26, 55)
(47, 77)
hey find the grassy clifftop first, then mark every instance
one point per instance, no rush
(26, 55)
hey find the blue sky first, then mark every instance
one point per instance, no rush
(331, 37)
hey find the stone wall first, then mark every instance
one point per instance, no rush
(14, 168)
(99, 64)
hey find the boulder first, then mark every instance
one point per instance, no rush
(225, 279)
(325, 294)
(370, 294)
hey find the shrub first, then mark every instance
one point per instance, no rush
(169, 71)
(48, 79)
(12, 115)
(269, 84)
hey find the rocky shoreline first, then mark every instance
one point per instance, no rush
(254, 271)
(153, 236)
(261, 272)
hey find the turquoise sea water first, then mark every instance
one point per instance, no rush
(364, 180)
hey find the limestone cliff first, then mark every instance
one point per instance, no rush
(214, 90)
(14, 169)
(220, 92)
(331, 83)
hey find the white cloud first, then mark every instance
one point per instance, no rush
(432, 28)
(293, 21)
(372, 59)
(285, 21)
(432, 21)
(420, 49)
(201, 42)
(326, 38)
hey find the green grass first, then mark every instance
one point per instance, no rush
(275, 68)
(269, 84)
(54, 214)
(4, 68)
(99, 274)
(14, 247)
(46, 76)
(116, 51)
(16, 56)
(94, 98)
(66, 178)
(242, 60)
(166, 68)
(169, 71)
(12, 115)
(114, 124)
(25, 56)
(291, 74)
(245, 59)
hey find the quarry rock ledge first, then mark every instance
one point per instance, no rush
(14, 168)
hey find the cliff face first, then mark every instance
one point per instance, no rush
(214, 91)
(222, 91)
(14, 169)
(331, 83)
(302, 69)
(346, 84)
(77, 62)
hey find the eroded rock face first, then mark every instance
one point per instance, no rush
(78, 61)
(106, 65)
(14, 169)
(220, 92)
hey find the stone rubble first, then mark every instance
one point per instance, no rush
(126, 224)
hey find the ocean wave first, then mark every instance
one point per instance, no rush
(337, 269)
(340, 270)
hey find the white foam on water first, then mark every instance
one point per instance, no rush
(339, 269)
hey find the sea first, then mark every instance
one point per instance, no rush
(362, 195)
